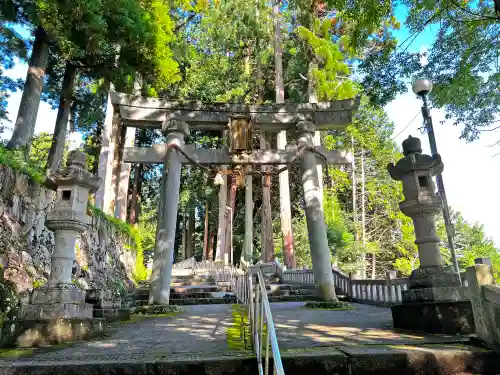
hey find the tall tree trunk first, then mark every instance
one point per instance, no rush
(61, 128)
(230, 216)
(363, 214)
(205, 232)
(267, 220)
(210, 254)
(191, 229)
(136, 195)
(313, 95)
(285, 210)
(184, 254)
(221, 225)
(248, 247)
(24, 127)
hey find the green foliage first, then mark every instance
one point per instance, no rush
(463, 60)
(16, 160)
(134, 235)
(332, 79)
(8, 299)
(471, 242)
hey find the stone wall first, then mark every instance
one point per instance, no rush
(103, 255)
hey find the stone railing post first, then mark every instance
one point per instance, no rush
(477, 276)
(389, 276)
(350, 286)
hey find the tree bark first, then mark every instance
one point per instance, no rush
(230, 215)
(285, 210)
(61, 127)
(248, 247)
(190, 229)
(184, 253)
(267, 221)
(363, 216)
(221, 230)
(24, 127)
(205, 233)
(210, 255)
(136, 195)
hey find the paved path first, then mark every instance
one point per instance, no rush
(299, 327)
(201, 329)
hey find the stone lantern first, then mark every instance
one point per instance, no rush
(435, 300)
(60, 300)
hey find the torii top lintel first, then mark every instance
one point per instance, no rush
(154, 113)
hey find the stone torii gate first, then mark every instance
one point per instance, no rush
(176, 119)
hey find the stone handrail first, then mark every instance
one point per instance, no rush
(378, 292)
(185, 264)
(485, 300)
(301, 277)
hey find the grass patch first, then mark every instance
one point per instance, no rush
(328, 305)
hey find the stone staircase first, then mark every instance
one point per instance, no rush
(278, 291)
(192, 289)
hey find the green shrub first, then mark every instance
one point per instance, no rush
(8, 299)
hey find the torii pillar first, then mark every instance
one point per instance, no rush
(168, 206)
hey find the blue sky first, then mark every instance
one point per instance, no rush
(470, 175)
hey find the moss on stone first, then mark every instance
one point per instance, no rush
(239, 336)
(328, 305)
(158, 309)
(134, 318)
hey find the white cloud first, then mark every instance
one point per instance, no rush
(469, 168)
(423, 58)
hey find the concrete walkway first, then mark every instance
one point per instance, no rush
(300, 327)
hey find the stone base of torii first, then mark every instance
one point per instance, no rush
(176, 119)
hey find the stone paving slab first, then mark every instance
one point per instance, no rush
(300, 327)
(199, 331)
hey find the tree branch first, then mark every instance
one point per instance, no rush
(188, 19)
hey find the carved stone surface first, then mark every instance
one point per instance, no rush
(32, 333)
(59, 294)
(428, 277)
(56, 311)
(436, 294)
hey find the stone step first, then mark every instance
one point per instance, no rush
(342, 360)
(191, 283)
(194, 289)
(204, 301)
(180, 278)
